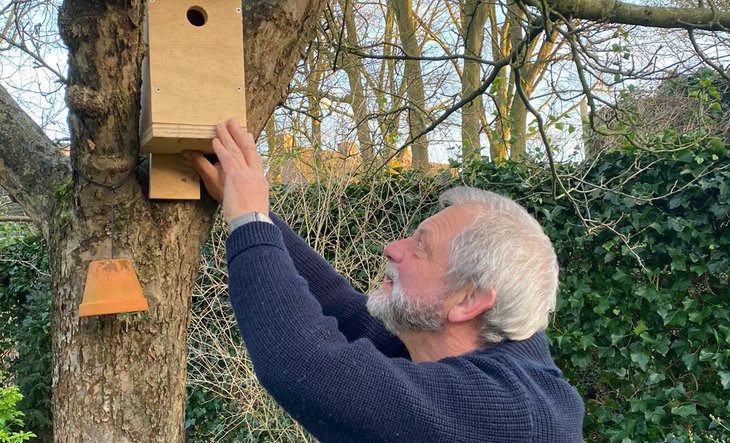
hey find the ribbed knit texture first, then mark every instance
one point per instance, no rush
(345, 378)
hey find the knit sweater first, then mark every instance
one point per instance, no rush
(345, 378)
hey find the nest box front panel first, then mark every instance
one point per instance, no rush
(194, 73)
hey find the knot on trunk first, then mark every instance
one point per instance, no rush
(87, 101)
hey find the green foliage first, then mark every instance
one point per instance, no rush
(11, 424)
(683, 109)
(25, 303)
(204, 414)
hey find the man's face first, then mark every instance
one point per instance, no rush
(414, 292)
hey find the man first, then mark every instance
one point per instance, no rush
(454, 350)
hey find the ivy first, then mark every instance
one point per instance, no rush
(25, 304)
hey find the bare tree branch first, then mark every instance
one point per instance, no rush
(15, 218)
(31, 166)
(291, 26)
(614, 11)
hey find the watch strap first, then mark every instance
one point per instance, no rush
(248, 218)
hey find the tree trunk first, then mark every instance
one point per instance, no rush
(413, 78)
(387, 98)
(121, 378)
(473, 20)
(313, 91)
(518, 109)
(117, 378)
(518, 122)
(273, 175)
(353, 67)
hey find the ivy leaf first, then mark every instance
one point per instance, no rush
(679, 263)
(685, 410)
(675, 224)
(675, 201)
(640, 358)
(677, 318)
(640, 327)
(690, 360)
(724, 379)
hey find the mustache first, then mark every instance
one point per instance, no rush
(391, 271)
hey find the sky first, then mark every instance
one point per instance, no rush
(37, 88)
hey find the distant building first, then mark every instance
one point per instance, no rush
(299, 165)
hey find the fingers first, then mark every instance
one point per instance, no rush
(226, 158)
(235, 147)
(245, 142)
(226, 140)
(202, 166)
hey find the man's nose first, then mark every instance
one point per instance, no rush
(394, 251)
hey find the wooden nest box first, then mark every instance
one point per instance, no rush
(192, 78)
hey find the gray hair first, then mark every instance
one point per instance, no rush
(506, 249)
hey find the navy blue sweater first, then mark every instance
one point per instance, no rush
(345, 378)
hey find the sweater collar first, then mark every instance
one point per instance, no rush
(534, 348)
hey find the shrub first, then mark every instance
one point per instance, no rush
(25, 303)
(642, 321)
(11, 424)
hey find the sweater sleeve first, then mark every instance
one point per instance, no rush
(343, 390)
(337, 296)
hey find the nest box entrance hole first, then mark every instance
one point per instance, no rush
(197, 16)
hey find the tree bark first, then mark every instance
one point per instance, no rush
(121, 378)
(518, 124)
(314, 100)
(518, 109)
(413, 78)
(276, 33)
(31, 167)
(273, 175)
(353, 68)
(618, 12)
(473, 19)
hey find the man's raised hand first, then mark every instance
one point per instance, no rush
(238, 179)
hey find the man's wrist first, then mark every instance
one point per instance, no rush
(248, 218)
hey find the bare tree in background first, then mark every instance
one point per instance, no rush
(413, 78)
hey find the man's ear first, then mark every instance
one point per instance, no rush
(474, 303)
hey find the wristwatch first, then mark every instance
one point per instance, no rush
(248, 218)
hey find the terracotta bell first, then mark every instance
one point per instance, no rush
(112, 287)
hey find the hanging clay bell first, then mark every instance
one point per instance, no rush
(112, 287)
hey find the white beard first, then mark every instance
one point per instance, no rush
(400, 311)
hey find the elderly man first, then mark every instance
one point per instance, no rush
(450, 348)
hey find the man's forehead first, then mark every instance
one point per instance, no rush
(451, 217)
